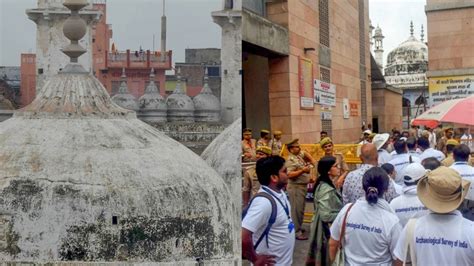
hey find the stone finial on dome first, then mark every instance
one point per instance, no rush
(422, 33)
(206, 105)
(180, 106)
(411, 28)
(123, 98)
(153, 107)
(74, 29)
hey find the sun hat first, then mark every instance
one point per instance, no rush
(380, 139)
(413, 172)
(442, 190)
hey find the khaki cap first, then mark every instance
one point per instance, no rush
(293, 143)
(265, 131)
(277, 132)
(265, 149)
(325, 141)
(442, 190)
(247, 131)
(452, 142)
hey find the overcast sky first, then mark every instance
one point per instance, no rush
(393, 17)
(133, 22)
(189, 25)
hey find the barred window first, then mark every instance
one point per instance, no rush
(363, 100)
(362, 32)
(324, 22)
(325, 74)
(326, 125)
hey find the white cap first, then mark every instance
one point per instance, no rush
(414, 172)
(368, 131)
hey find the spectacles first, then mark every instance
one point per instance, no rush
(337, 166)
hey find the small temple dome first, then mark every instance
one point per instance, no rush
(152, 105)
(83, 180)
(411, 56)
(180, 106)
(123, 98)
(207, 107)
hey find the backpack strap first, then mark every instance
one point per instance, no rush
(410, 242)
(272, 219)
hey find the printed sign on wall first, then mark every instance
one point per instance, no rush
(305, 83)
(345, 108)
(448, 88)
(324, 93)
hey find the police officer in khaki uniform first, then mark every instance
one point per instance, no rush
(251, 184)
(264, 138)
(450, 145)
(275, 143)
(328, 148)
(248, 146)
(298, 164)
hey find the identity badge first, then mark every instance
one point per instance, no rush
(291, 226)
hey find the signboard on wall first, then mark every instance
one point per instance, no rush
(354, 108)
(324, 93)
(447, 88)
(305, 75)
(345, 108)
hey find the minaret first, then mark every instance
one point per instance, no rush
(422, 33)
(378, 48)
(411, 28)
(163, 35)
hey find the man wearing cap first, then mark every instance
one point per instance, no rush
(402, 159)
(365, 139)
(264, 138)
(328, 148)
(275, 143)
(352, 189)
(381, 143)
(408, 205)
(443, 236)
(298, 164)
(449, 160)
(251, 184)
(461, 157)
(424, 145)
(248, 146)
(448, 134)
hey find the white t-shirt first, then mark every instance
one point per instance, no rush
(281, 242)
(467, 173)
(467, 139)
(371, 233)
(432, 153)
(441, 239)
(408, 205)
(384, 156)
(399, 162)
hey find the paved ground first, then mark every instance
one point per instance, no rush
(301, 246)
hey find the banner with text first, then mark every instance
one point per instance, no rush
(324, 93)
(447, 88)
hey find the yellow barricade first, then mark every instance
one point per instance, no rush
(348, 151)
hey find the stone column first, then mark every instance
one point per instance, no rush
(230, 20)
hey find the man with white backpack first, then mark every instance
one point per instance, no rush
(443, 236)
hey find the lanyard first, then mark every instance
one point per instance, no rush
(285, 207)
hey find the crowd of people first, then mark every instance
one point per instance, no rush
(409, 201)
